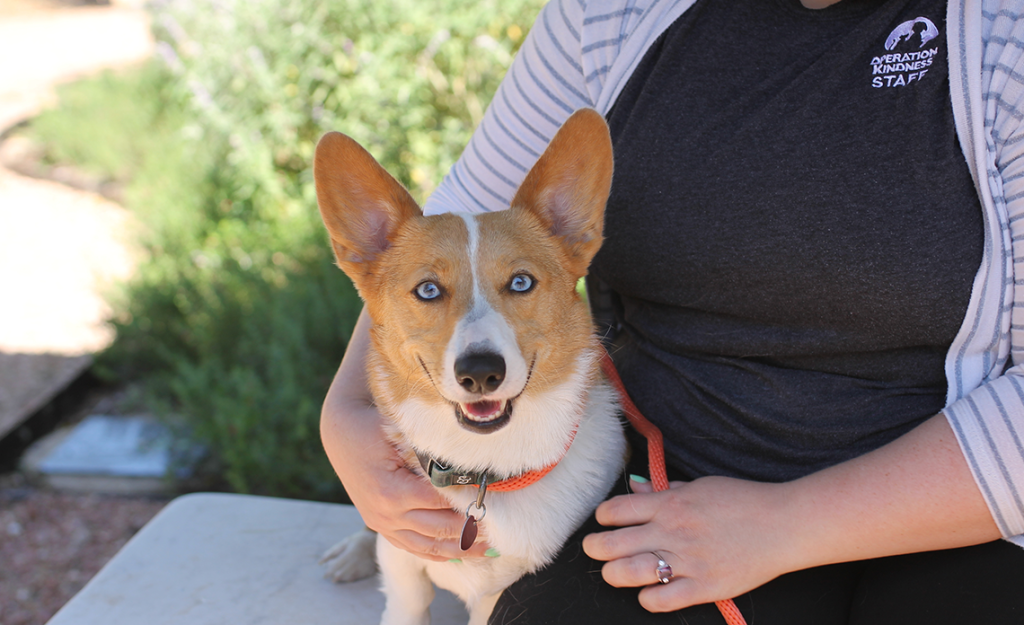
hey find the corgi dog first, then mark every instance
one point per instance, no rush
(483, 361)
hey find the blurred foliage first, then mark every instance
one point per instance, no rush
(408, 79)
(237, 318)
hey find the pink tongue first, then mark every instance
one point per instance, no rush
(482, 408)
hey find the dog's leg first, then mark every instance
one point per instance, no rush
(407, 589)
(480, 611)
(353, 558)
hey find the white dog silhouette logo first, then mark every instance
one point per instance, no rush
(905, 32)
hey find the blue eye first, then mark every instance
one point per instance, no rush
(521, 283)
(427, 291)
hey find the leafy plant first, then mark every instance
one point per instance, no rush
(236, 319)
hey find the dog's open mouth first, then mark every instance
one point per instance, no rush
(484, 417)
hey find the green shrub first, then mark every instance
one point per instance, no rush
(409, 79)
(113, 125)
(236, 319)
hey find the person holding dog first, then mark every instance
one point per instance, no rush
(809, 275)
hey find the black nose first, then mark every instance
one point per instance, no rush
(480, 373)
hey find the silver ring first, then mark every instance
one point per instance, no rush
(663, 572)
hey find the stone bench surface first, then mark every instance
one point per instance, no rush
(214, 559)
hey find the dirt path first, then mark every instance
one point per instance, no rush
(59, 248)
(43, 43)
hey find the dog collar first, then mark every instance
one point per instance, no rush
(442, 475)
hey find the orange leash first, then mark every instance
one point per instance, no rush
(656, 461)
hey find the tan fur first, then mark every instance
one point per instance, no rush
(544, 336)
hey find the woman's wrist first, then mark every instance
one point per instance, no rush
(802, 526)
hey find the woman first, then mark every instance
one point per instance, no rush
(810, 260)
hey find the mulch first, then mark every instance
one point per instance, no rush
(52, 543)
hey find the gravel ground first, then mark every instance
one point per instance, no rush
(51, 544)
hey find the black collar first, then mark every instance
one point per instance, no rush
(442, 476)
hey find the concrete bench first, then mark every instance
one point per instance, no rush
(217, 559)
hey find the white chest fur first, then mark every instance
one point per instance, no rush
(527, 527)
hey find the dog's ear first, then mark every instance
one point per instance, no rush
(361, 204)
(568, 186)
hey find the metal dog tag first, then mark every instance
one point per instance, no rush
(469, 531)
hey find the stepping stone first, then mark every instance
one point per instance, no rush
(105, 454)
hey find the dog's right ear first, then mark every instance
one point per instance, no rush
(361, 204)
(568, 186)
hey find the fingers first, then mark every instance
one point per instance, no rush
(681, 591)
(443, 524)
(638, 507)
(620, 543)
(632, 509)
(432, 533)
(437, 549)
(413, 516)
(638, 570)
(386, 500)
(640, 485)
(412, 490)
(633, 514)
(641, 571)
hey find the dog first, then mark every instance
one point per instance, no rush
(483, 361)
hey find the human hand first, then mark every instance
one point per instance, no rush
(724, 537)
(393, 501)
(721, 536)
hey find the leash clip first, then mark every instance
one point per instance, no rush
(480, 497)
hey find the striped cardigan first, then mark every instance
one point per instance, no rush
(581, 54)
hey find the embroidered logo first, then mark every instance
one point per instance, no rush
(910, 58)
(905, 32)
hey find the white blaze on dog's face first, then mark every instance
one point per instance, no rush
(475, 318)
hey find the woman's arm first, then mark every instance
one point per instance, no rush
(724, 536)
(392, 500)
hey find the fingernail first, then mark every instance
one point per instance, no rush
(492, 553)
(455, 561)
(638, 479)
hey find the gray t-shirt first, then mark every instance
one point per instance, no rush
(792, 233)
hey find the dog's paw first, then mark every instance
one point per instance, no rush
(353, 558)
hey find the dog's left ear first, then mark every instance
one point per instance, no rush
(568, 186)
(361, 204)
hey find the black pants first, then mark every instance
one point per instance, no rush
(981, 585)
